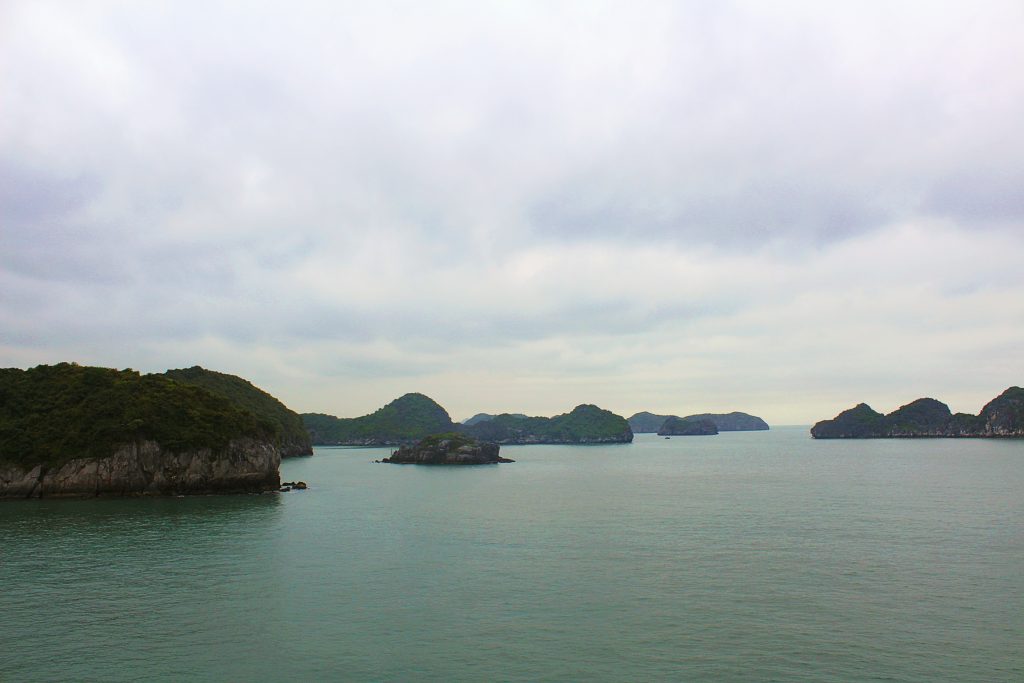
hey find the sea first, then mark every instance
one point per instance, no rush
(746, 556)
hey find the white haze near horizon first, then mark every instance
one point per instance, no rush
(781, 208)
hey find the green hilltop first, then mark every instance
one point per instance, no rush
(1003, 416)
(290, 433)
(415, 416)
(723, 422)
(53, 413)
(408, 418)
(584, 424)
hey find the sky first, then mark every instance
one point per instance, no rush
(783, 208)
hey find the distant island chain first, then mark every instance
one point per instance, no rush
(68, 430)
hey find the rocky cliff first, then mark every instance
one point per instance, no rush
(145, 468)
(1003, 416)
(70, 430)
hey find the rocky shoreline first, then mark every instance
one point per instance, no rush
(146, 469)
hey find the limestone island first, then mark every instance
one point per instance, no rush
(687, 426)
(73, 431)
(448, 449)
(1003, 416)
(405, 420)
(584, 424)
(720, 422)
(414, 416)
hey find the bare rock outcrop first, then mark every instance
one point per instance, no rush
(144, 468)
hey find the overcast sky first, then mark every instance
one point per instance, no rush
(778, 207)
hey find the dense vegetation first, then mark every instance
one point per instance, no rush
(1003, 416)
(408, 418)
(584, 424)
(687, 426)
(290, 434)
(724, 422)
(50, 414)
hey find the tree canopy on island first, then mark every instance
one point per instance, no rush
(407, 418)
(53, 413)
(1003, 416)
(291, 434)
(584, 424)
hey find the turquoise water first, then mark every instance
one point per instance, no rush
(739, 557)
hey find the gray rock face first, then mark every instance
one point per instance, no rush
(457, 450)
(143, 469)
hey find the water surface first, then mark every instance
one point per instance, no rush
(750, 556)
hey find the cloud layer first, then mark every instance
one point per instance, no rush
(680, 207)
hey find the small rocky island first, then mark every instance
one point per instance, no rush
(1003, 416)
(448, 449)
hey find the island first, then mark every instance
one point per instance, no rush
(687, 426)
(645, 422)
(412, 417)
(584, 424)
(406, 419)
(447, 449)
(73, 431)
(1003, 416)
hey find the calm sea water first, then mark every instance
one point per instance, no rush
(738, 557)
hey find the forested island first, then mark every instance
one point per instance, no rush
(1003, 416)
(71, 430)
(406, 419)
(415, 416)
(695, 424)
(584, 424)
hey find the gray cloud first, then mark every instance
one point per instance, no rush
(539, 203)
